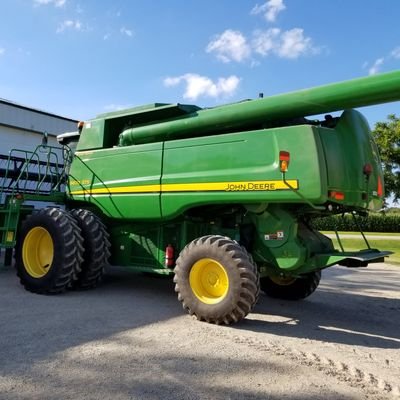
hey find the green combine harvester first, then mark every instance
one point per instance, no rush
(222, 199)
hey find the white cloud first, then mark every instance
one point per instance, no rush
(56, 3)
(287, 44)
(197, 85)
(173, 80)
(125, 31)
(69, 24)
(294, 44)
(270, 9)
(229, 46)
(376, 66)
(2, 51)
(395, 52)
(266, 42)
(233, 45)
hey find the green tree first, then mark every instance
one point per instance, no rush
(387, 138)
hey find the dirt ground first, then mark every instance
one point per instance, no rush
(130, 339)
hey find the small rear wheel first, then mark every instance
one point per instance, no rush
(289, 288)
(49, 251)
(216, 280)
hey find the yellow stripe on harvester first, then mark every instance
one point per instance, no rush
(243, 186)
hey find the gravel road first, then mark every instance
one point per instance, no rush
(130, 339)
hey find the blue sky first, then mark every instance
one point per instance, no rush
(83, 58)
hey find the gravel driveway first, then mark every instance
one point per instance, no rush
(130, 339)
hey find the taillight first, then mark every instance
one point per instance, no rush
(284, 159)
(333, 194)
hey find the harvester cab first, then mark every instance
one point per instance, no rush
(71, 139)
(65, 139)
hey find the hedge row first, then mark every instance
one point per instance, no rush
(372, 223)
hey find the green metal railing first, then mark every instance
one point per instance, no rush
(27, 176)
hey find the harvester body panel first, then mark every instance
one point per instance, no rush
(232, 169)
(163, 179)
(124, 182)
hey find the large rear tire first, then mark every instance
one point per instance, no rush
(49, 251)
(216, 280)
(291, 288)
(96, 249)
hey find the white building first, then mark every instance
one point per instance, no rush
(22, 127)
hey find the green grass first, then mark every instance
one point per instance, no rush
(365, 233)
(383, 244)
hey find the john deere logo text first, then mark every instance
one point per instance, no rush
(260, 186)
(234, 187)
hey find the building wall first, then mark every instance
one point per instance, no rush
(16, 138)
(22, 127)
(30, 119)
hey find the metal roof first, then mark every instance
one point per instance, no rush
(34, 120)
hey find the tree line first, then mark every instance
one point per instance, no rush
(387, 138)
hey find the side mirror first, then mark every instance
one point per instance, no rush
(45, 138)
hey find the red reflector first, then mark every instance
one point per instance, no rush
(380, 187)
(336, 195)
(169, 256)
(284, 156)
(339, 196)
(284, 166)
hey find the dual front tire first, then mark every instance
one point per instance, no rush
(58, 250)
(96, 246)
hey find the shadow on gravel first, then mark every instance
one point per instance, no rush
(33, 327)
(350, 307)
(37, 330)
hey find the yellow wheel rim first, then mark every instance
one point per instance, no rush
(38, 252)
(282, 280)
(209, 281)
